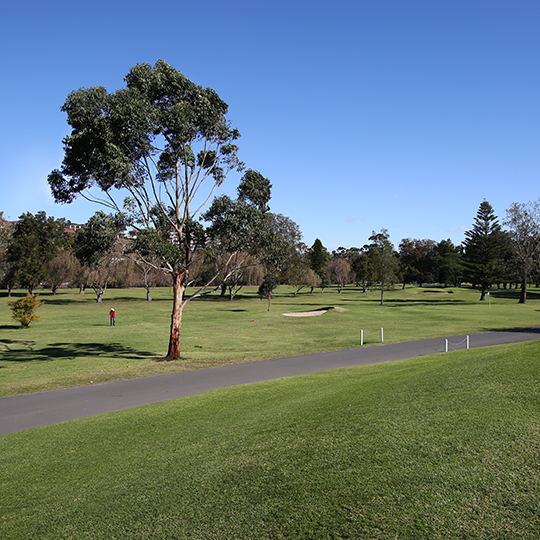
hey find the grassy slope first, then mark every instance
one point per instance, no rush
(73, 345)
(444, 446)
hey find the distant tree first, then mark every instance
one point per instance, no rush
(340, 272)
(447, 262)
(266, 290)
(97, 248)
(6, 272)
(362, 266)
(318, 258)
(62, 269)
(242, 233)
(35, 241)
(483, 249)
(293, 247)
(383, 260)
(24, 309)
(303, 276)
(346, 253)
(523, 222)
(149, 276)
(416, 261)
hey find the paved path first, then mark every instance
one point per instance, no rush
(26, 411)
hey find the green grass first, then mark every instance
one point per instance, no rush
(74, 345)
(444, 446)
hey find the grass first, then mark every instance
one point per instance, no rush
(444, 446)
(74, 345)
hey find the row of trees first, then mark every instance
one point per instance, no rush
(489, 255)
(42, 250)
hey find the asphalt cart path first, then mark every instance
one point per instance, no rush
(26, 411)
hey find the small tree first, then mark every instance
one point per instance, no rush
(95, 248)
(62, 269)
(267, 287)
(24, 309)
(384, 260)
(340, 272)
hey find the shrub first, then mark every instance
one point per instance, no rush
(24, 309)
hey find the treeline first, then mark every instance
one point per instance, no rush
(42, 251)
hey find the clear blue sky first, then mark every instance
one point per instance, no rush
(396, 114)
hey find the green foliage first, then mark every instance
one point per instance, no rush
(383, 260)
(244, 226)
(24, 309)
(35, 241)
(318, 257)
(416, 261)
(448, 263)
(267, 287)
(255, 188)
(6, 230)
(97, 238)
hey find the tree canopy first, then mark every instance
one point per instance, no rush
(383, 259)
(35, 241)
(158, 141)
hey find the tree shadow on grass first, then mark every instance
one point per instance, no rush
(24, 351)
(513, 294)
(524, 330)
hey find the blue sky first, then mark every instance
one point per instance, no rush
(364, 115)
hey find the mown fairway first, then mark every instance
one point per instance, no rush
(74, 345)
(445, 446)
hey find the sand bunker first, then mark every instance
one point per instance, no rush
(313, 313)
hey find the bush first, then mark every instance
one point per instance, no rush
(24, 310)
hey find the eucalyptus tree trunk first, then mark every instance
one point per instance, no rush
(176, 317)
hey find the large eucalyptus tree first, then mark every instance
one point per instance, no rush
(156, 142)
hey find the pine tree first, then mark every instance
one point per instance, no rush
(484, 246)
(318, 257)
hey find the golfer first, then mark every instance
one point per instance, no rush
(112, 316)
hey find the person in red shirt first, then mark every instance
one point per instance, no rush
(112, 315)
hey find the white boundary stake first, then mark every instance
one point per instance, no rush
(466, 340)
(362, 336)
